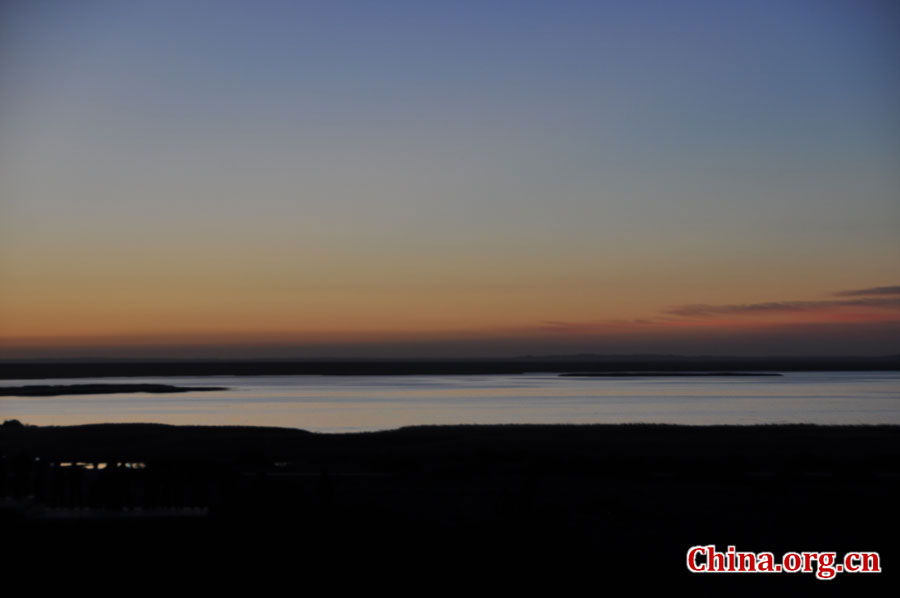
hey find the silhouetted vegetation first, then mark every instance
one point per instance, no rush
(596, 502)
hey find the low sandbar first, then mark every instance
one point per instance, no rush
(52, 390)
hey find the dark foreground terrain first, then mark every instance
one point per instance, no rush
(462, 507)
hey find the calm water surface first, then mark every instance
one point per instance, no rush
(339, 404)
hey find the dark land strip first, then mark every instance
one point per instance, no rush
(10, 370)
(96, 389)
(666, 374)
(520, 505)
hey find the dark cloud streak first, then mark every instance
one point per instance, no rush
(703, 310)
(869, 292)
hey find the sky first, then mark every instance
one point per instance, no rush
(449, 179)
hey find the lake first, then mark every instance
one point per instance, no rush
(363, 403)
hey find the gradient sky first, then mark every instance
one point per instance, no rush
(449, 178)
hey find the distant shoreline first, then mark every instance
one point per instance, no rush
(96, 389)
(664, 374)
(24, 370)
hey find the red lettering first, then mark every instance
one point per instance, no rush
(791, 562)
(871, 557)
(807, 562)
(706, 559)
(716, 561)
(692, 556)
(746, 562)
(766, 562)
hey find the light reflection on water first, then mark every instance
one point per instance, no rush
(335, 404)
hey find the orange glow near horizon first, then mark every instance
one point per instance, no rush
(439, 178)
(361, 296)
(548, 333)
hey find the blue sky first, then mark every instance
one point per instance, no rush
(434, 167)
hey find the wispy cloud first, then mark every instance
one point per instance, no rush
(869, 292)
(704, 310)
